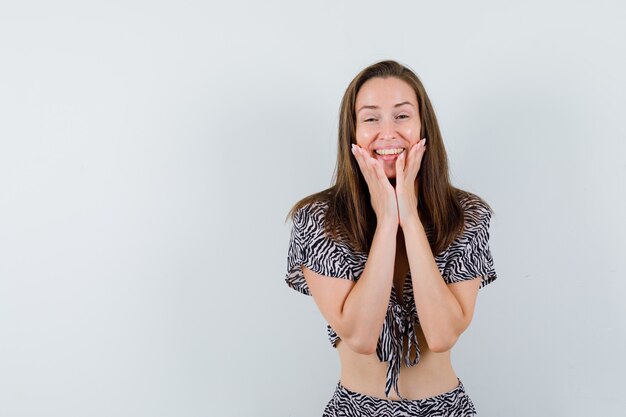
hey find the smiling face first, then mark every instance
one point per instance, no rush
(387, 120)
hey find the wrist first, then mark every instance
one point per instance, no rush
(410, 222)
(387, 224)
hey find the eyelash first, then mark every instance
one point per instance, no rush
(402, 116)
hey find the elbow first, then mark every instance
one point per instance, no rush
(442, 344)
(361, 341)
(444, 340)
(363, 346)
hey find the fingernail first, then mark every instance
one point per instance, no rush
(424, 141)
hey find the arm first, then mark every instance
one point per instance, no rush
(356, 310)
(444, 310)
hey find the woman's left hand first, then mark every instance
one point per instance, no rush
(406, 185)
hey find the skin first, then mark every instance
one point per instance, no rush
(387, 115)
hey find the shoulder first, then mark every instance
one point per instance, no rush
(311, 216)
(474, 207)
(312, 247)
(476, 212)
(316, 209)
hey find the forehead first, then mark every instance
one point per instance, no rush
(385, 92)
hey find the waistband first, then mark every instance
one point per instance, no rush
(455, 399)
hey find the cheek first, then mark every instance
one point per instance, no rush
(364, 136)
(411, 131)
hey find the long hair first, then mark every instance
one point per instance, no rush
(350, 215)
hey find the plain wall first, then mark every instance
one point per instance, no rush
(150, 151)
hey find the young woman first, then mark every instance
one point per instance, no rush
(392, 253)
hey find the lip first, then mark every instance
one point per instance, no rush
(389, 157)
(390, 147)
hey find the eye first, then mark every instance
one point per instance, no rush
(403, 116)
(369, 119)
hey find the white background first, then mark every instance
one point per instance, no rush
(150, 151)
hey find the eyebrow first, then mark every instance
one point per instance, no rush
(376, 107)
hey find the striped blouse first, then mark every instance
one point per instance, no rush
(467, 257)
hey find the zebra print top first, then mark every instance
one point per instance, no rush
(467, 257)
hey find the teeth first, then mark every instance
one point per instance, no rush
(389, 151)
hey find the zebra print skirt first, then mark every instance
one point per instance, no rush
(346, 403)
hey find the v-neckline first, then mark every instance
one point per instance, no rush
(399, 292)
(404, 265)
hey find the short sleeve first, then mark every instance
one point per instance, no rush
(469, 256)
(310, 246)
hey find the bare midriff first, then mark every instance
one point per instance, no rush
(366, 374)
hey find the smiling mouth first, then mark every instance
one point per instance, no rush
(383, 152)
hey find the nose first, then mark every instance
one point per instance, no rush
(387, 129)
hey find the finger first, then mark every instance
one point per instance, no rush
(369, 162)
(380, 173)
(410, 169)
(420, 154)
(416, 157)
(359, 159)
(376, 172)
(374, 168)
(400, 166)
(364, 165)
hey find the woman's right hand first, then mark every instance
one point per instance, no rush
(382, 194)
